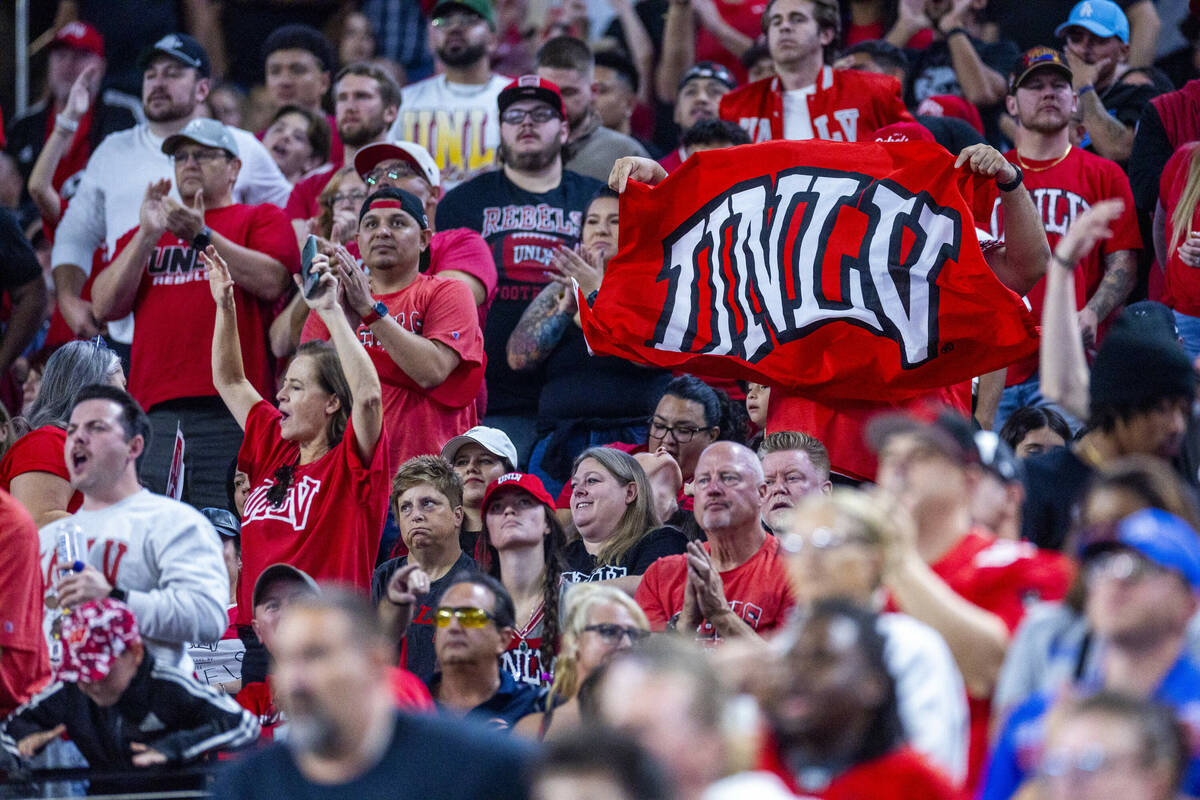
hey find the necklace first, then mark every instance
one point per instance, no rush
(1055, 162)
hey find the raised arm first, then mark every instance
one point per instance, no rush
(41, 187)
(1022, 262)
(541, 327)
(678, 49)
(229, 375)
(1064, 368)
(367, 409)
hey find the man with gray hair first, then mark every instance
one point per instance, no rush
(158, 276)
(734, 584)
(794, 465)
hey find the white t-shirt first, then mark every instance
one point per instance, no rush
(797, 122)
(929, 691)
(165, 556)
(459, 124)
(106, 204)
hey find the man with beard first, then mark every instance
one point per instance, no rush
(698, 99)
(525, 210)
(1064, 181)
(808, 99)
(591, 148)
(109, 197)
(345, 737)
(453, 115)
(365, 102)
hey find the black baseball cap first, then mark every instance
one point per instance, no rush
(531, 87)
(709, 69)
(182, 48)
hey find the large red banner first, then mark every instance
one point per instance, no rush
(845, 271)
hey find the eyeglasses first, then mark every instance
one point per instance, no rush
(467, 616)
(613, 634)
(391, 174)
(1122, 565)
(200, 156)
(348, 197)
(820, 540)
(541, 114)
(461, 19)
(680, 433)
(1088, 763)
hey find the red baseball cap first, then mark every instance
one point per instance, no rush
(530, 484)
(79, 36)
(531, 87)
(904, 132)
(93, 635)
(949, 105)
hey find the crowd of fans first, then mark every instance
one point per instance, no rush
(311, 484)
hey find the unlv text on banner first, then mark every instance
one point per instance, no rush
(754, 258)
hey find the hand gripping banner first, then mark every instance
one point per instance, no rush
(844, 271)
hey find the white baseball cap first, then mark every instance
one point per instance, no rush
(494, 440)
(413, 154)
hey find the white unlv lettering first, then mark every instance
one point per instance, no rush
(294, 509)
(894, 298)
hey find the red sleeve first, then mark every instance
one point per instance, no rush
(451, 318)
(891, 104)
(1041, 578)
(313, 329)
(39, 451)
(271, 234)
(649, 595)
(100, 264)
(464, 250)
(563, 501)
(365, 476)
(301, 201)
(1126, 235)
(409, 692)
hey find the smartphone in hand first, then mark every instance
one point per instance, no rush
(308, 278)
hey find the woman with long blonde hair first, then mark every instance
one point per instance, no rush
(1177, 241)
(599, 621)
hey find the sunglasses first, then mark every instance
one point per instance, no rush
(467, 616)
(540, 115)
(613, 634)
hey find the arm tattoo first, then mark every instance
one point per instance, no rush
(1110, 129)
(540, 329)
(1120, 273)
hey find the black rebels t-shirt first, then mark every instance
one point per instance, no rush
(658, 543)
(523, 229)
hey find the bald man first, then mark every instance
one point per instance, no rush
(734, 584)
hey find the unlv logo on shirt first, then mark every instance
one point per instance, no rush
(294, 509)
(1057, 208)
(752, 261)
(175, 264)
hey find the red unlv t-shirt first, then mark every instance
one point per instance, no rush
(420, 421)
(758, 591)
(329, 524)
(174, 312)
(40, 450)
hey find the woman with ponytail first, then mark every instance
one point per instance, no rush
(319, 476)
(521, 545)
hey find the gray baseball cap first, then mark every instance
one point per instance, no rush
(203, 131)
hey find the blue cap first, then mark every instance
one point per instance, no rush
(1102, 17)
(1161, 537)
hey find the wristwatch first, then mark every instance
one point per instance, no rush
(202, 239)
(377, 312)
(1014, 183)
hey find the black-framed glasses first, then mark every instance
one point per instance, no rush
(680, 433)
(613, 634)
(199, 156)
(541, 114)
(467, 616)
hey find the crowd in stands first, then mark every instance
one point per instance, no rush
(317, 481)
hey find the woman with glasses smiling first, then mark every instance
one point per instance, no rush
(599, 621)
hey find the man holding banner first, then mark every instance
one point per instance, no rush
(845, 276)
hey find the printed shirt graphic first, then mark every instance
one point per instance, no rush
(523, 658)
(758, 591)
(420, 421)
(174, 312)
(458, 124)
(522, 229)
(329, 523)
(1062, 190)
